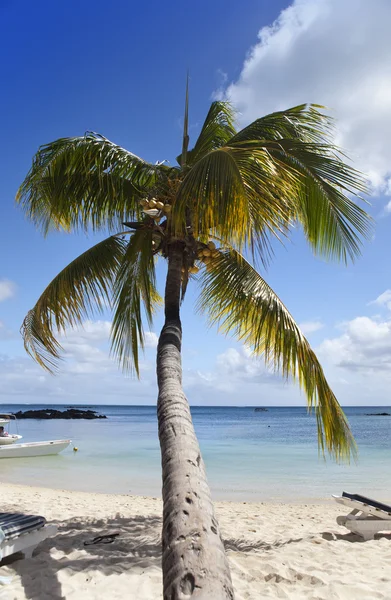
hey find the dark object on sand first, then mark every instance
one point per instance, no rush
(368, 501)
(102, 539)
(52, 413)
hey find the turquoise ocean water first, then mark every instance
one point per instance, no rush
(249, 455)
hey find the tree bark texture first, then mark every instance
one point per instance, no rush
(195, 566)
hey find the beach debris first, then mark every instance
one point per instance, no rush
(102, 539)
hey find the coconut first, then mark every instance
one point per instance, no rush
(152, 203)
(206, 260)
(194, 269)
(159, 205)
(212, 246)
(144, 202)
(167, 208)
(206, 252)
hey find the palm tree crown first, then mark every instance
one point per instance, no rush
(225, 202)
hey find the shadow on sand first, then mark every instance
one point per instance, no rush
(137, 547)
(351, 537)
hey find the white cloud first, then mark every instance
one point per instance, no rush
(365, 346)
(87, 374)
(90, 330)
(151, 339)
(383, 300)
(7, 289)
(332, 53)
(238, 378)
(357, 363)
(96, 380)
(310, 326)
(87, 348)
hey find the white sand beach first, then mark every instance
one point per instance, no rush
(292, 551)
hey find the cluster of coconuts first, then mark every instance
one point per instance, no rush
(206, 254)
(193, 269)
(156, 206)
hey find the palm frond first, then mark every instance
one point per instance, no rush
(87, 181)
(279, 170)
(304, 122)
(332, 222)
(300, 140)
(240, 195)
(217, 129)
(134, 294)
(84, 286)
(239, 300)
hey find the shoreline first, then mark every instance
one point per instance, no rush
(266, 457)
(273, 500)
(275, 550)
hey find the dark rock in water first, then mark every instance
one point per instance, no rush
(378, 414)
(52, 413)
(260, 409)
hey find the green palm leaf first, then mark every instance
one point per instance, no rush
(304, 122)
(332, 222)
(73, 295)
(240, 194)
(240, 301)
(217, 129)
(279, 170)
(134, 294)
(87, 181)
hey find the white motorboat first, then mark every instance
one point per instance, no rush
(9, 448)
(33, 449)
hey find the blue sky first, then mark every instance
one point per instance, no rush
(77, 67)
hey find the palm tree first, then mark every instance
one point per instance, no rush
(212, 218)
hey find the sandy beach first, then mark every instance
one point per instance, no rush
(291, 551)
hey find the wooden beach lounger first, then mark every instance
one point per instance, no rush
(22, 533)
(367, 518)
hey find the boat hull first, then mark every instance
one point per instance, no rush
(9, 440)
(33, 449)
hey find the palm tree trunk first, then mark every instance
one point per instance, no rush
(195, 565)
